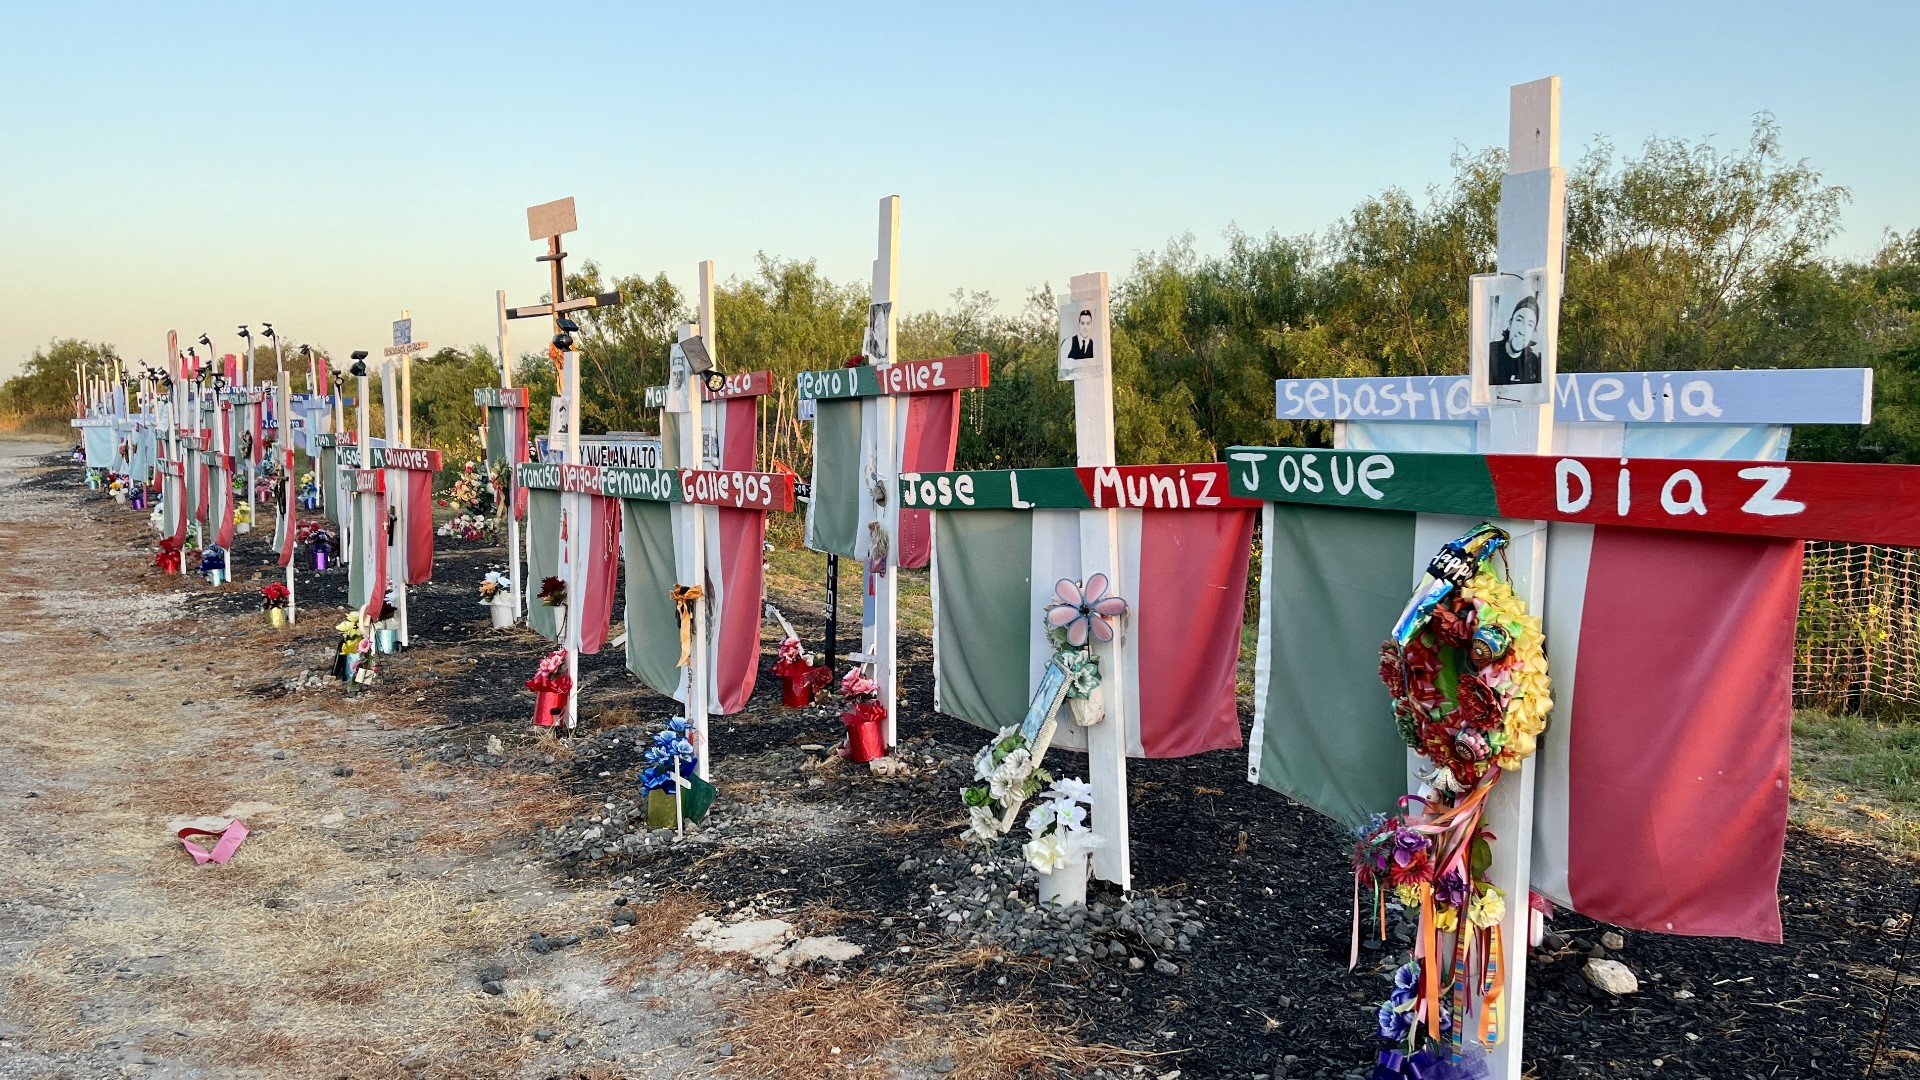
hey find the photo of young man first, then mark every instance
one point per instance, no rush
(1514, 359)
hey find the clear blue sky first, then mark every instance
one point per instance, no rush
(324, 165)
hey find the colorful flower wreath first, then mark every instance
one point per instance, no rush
(1467, 670)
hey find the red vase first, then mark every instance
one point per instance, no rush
(796, 688)
(549, 707)
(866, 734)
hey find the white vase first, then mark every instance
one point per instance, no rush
(1067, 886)
(502, 614)
(1089, 710)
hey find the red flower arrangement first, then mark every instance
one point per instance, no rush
(275, 595)
(553, 592)
(551, 675)
(167, 559)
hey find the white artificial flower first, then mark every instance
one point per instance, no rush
(1040, 818)
(1010, 776)
(1073, 788)
(1071, 815)
(983, 822)
(983, 762)
(1046, 853)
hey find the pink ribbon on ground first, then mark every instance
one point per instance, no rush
(229, 843)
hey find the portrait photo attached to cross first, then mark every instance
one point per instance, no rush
(1508, 337)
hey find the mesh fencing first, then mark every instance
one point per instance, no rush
(1859, 626)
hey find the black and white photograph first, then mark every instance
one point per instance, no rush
(1083, 327)
(1508, 338)
(877, 343)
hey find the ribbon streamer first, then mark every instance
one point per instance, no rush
(684, 597)
(230, 839)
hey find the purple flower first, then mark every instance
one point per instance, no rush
(1393, 1023)
(1406, 977)
(1407, 844)
(1451, 889)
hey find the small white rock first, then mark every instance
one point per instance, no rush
(1611, 976)
(1612, 942)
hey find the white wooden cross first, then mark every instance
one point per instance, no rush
(289, 483)
(513, 511)
(1100, 553)
(1532, 237)
(690, 522)
(880, 597)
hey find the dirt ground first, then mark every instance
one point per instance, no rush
(347, 936)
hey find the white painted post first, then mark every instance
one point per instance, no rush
(573, 513)
(363, 453)
(690, 535)
(880, 598)
(1100, 553)
(246, 377)
(700, 670)
(513, 518)
(288, 482)
(340, 428)
(1532, 236)
(396, 496)
(174, 395)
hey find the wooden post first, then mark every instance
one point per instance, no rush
(1532, 236)
(880, 597)
(1100, 553)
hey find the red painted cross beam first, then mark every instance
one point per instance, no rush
(1806, 500)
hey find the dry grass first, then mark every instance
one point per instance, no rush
(661, 931)
(863, 1027)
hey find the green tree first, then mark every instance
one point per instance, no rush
(45, 388)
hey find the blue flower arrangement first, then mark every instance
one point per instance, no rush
(675, 741)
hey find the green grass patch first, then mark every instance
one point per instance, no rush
(1858, 776)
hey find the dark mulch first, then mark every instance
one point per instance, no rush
(1268, 979)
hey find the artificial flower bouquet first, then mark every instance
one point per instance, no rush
(166, 558)
(671, 780)
(496, 588)
(471, 493)
(553, 592)
(1062, 840)
(466, 526)
(349, 655)
(1466, 669)
(801, 674)
(865, 717)
(1010, 774)
(273, 600)
(551, 686)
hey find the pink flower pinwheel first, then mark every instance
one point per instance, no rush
(1084, 610)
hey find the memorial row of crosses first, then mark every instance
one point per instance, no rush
(1617, 556)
